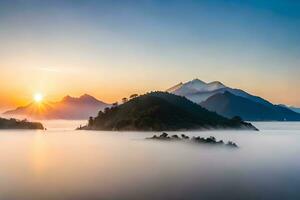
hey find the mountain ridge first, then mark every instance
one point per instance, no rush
(293, 108)
(67, 108)
(205, 90)
(199, 92)
(230, 105)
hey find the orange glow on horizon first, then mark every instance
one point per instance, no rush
(57, 84)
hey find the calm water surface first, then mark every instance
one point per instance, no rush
(64, 164)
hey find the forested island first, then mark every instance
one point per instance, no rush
(161, 111)
(198, 140)
(19, 124)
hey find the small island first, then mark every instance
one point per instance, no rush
(19, 124)
(161, 111)
(199, 140)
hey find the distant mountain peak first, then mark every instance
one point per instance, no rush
(199, 85)
(198, 91)
(194, 87)
(86, 96)
(196, 82)
(68, 108)
(217, 83)
(175, 87)
(67, 98)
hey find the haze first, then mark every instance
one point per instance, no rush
(64, 164)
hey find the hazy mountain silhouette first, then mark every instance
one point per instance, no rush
(230, 102)
(198, 91)
(295, 109)
(230, 105)
(157, 111)
(68, 108)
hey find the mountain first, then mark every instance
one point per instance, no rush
(230, 102)
(297, 110)
(17, 124)
(158, 111)
(230, 105)
(68, 108)
(198, 91)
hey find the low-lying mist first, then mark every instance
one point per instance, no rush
(57, 164)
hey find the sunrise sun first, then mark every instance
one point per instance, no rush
(38, 97)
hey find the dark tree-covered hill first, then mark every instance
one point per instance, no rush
(19, 124)
(157, 111)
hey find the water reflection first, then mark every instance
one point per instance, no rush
(39, 154)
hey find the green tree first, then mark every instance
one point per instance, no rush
(133, 96)
(124, 100)
(91, 121)
(106, 110)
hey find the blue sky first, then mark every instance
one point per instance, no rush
(253, 45)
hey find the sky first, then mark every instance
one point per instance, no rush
(111, 49)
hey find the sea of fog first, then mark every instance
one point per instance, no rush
(63, 164)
